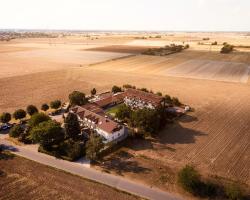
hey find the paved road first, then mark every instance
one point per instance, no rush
(92, 174)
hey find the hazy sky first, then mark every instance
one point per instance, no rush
(206, 15)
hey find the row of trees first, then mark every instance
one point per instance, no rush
(20, 114)
(190, 180)
(65, 141)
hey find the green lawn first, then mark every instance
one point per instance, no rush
(112, 111)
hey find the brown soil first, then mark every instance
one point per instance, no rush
(25, 179)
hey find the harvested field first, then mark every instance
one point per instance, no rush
(214, 138)
(23, 179)
(212, 70)
(32, 57)
(188, 64)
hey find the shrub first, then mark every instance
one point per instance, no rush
(45, 107)
(19, 114)
(227, 48)
(116, 89)
(16, 131)
(176, 101)
(31, 110)
(214, 43)
(189, 179)
(5, 117)
(55, 104)
(144, 89)
(126, 86)
(234, 192)
(159, 94)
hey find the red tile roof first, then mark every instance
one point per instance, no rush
(145, 96)
(101, 122)
(110, 98)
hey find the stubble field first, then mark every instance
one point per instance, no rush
(215, 138)
(24, 179)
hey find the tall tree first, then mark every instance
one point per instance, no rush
(93, 92)
(5, 117)
(47, 134)
(31, 110)
(72, 127)
(94, 146)
(77, 98)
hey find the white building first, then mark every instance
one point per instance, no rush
(107, 128)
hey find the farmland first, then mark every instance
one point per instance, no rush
(214, 138)
(24, 179)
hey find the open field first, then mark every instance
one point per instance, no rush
(212, 70)
(24, 179)
(19, 58)
(215, 138)
(188, 64)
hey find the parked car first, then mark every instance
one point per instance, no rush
(4, 127)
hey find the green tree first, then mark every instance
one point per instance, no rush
(176, 101)
(94, 146)
(116, 89)
(5, 117)
(126, 86)
(93, 92)
(77, 98)
(45, 107)
(167, 99)
(227, 48)
(234, 192)
(123, 112)
(72, 127)
(31, 110)
(19, 114)
(72, 149)
(55, 104)
(147, 120)
(144, 89)
(47, 134)
(159, 94)
(38, 118)
(189, 179)
(16, 131)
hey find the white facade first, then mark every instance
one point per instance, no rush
(109, 137)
